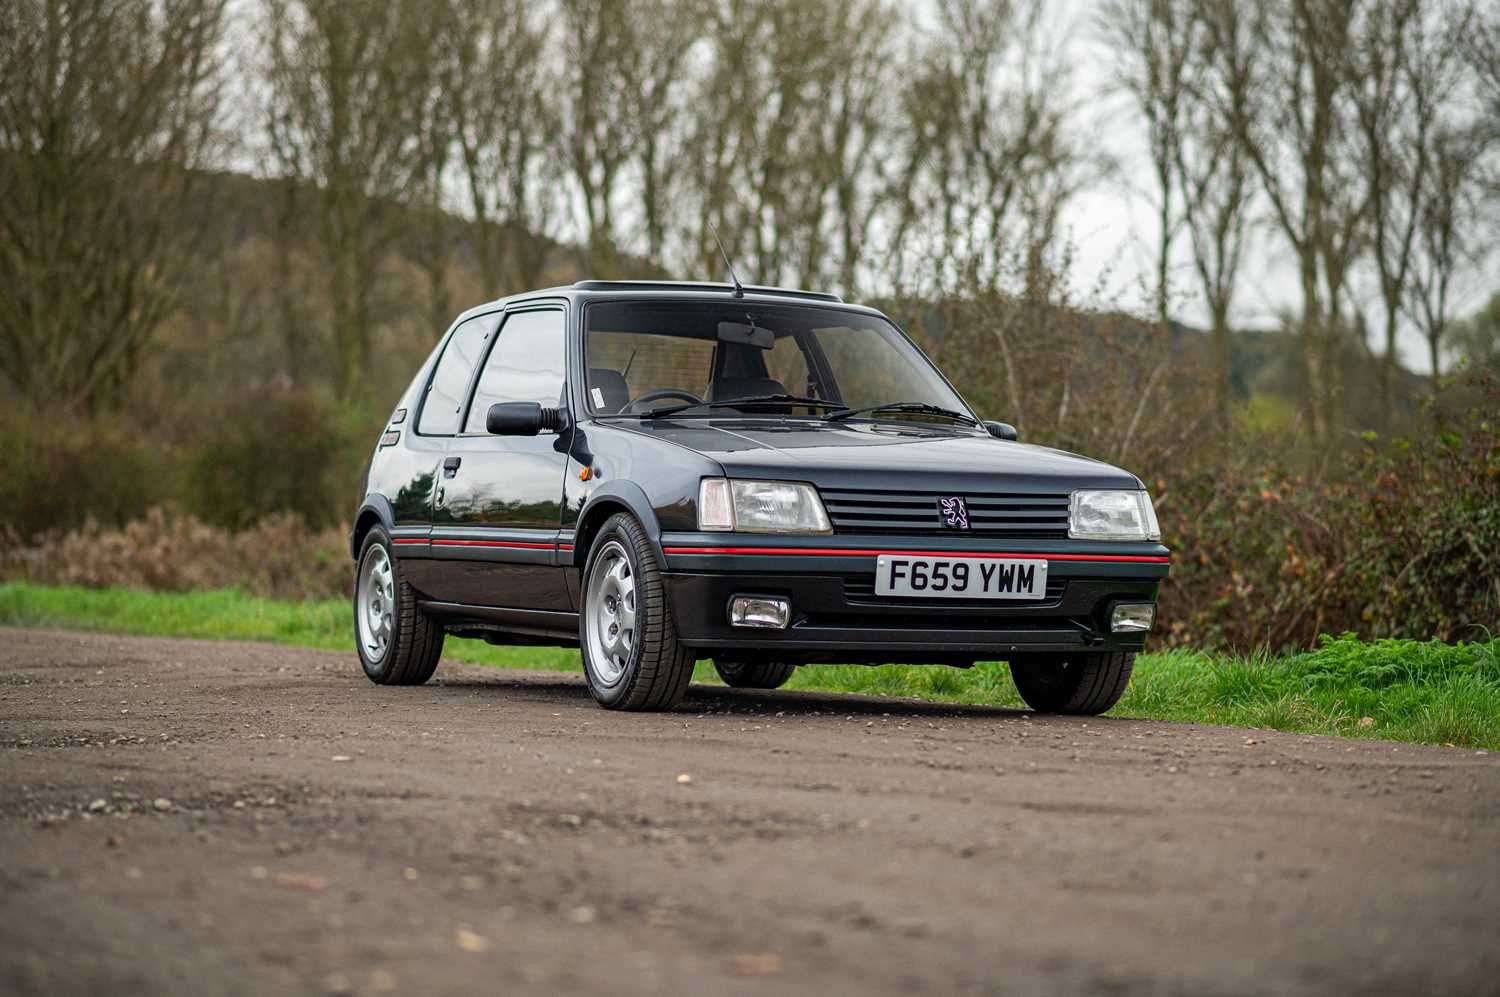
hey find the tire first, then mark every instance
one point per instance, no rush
(1080, 684)
(413, 641)
(754, 674)
(639, 665)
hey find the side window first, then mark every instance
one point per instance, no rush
(450, 382)
(528, 363)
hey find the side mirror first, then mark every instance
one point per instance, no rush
(520, 418)
(1001, 430)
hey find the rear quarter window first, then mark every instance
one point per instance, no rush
(443, 404)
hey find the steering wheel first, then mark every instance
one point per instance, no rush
(657, 395)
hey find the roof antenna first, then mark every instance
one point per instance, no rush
(739, 291)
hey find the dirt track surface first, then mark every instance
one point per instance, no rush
(193, 817)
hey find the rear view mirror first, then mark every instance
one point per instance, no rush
(748, 335)
(520, 418)
(1001, 430)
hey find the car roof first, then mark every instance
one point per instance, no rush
(670, 290)
(706, 288)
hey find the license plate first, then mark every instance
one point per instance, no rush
(960, 577)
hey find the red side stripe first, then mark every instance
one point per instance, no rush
(851, 552)
(480, 543)
(490, 543)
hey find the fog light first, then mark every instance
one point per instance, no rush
(1132, 617)
(759, 611)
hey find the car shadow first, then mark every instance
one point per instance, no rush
(807, 702)
(709, 699)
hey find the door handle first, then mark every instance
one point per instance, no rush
(450, 466)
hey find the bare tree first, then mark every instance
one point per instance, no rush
(924, 165)
(503, 122)
(107, 115)
(598, 133)
(1296, 129)
(1405, 68)
(665, 31)
(1482, 50)
(1451, 230)
(854, 134)
(991, 194)
(713, 133)
(1153, 42)
(433, 234)
(1185, 63)
(623, 121)
(758, 108)
(989, 158)
(350, 82)
(755, 131)
(805, 117)
(1213, 171)
(1482, 53)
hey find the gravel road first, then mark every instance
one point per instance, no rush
(197, 817)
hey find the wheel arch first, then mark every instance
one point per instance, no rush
(374, 511)
(606, 501)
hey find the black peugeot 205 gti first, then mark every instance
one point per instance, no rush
(660, 473)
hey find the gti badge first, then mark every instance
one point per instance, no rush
(954, 512)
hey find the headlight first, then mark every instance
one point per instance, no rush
(760, 507)
(1111, 515)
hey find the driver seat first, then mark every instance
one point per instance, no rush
(729, 388)
(611, 386)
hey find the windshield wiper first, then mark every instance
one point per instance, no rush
(657, 413)
(921, 408)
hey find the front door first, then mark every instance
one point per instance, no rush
(498, 505)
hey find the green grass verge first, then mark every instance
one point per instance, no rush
(1427, 692)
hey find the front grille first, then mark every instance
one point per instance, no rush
(862, 589)
(995, 514)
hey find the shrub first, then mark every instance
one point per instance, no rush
(57, 471)
(280, 557)
(1405, 541)
(271, 451)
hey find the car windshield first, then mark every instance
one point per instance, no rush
(704, 358)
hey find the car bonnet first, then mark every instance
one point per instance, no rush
(882, 455)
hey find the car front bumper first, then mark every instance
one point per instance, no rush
(835, 615)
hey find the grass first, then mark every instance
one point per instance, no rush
(1426, 692)
(223, 614)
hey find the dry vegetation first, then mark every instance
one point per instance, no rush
(279, 557)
